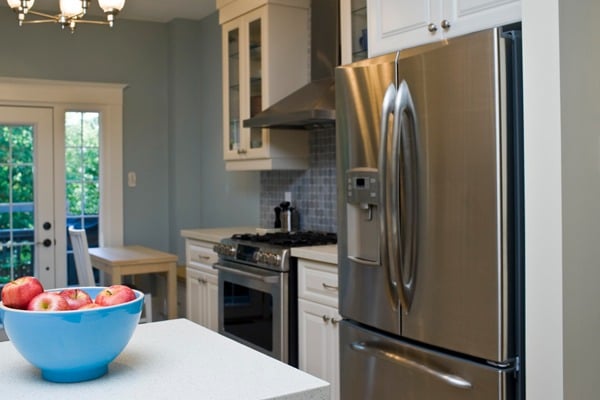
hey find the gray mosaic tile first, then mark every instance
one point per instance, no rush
(313, 191)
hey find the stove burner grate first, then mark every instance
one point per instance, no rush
(290, 239)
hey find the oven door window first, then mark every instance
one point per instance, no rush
(248, 314)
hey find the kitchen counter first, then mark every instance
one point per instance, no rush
(327, 253)
(214, 235)
(175, 359)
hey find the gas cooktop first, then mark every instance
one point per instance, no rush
(269, 250)
(289, 239)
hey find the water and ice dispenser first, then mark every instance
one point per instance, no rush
(363, 214)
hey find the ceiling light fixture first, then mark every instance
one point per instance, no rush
(72, 12)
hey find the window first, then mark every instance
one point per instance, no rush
(16, 202)
(82, 173)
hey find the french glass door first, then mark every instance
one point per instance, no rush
(27, 223)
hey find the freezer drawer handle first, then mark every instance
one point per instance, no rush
(388, 354)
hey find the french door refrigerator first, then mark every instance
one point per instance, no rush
(430, 230)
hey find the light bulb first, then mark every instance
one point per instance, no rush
(111, 5)
(71, 8)
(17, 3)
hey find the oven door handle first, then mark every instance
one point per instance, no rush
(239, 271)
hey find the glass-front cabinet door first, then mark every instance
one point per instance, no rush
(355, 44)
(265, 58)
(243, 85)
(232, 92)
(255, 80)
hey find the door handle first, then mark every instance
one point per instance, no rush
(265, 278)
(388, 353)
(45, 242)
(403, 203)
(387, 110)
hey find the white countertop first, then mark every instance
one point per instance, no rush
(327, 253)
(175, 359)
(214, 235)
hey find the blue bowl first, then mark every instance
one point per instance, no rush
(75, 345)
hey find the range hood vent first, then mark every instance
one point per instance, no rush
(313, 105)
(310, 107)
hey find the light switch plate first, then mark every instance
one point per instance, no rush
(131, 179)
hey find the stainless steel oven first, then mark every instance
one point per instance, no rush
(254, 308)
(258, 290)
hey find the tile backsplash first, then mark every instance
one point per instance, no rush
(313, 190)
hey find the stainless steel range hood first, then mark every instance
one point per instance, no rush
(313, 105)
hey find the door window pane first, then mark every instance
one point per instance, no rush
(16, 202)
(82, 172)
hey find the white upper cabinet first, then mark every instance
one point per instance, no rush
(400, 24)
(265, 58)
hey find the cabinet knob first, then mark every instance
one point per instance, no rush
(432, 27)
(445, 24)
(334, 321)
(325, 318)
(201, 280)
(242, 151)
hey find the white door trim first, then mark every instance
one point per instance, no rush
(61, 96)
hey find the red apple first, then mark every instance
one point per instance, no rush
(18, 293)
(76, 298)
(115, 294)
(48, 301)
(90, 305)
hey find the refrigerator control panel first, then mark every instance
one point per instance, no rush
(362, 186)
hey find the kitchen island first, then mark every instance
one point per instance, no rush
(174, 359)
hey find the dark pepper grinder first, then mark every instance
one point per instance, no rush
(277, 217)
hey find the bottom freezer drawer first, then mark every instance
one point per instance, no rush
(375, 366)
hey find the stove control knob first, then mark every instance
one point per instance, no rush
(274, 259)
(224, 249)
(260, 257)
(269, 259)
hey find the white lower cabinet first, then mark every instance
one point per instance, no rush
(202, 301)
(202, 284)
(318, 321)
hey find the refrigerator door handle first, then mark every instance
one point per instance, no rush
(387, 110)
(387, 353)
(403, 202)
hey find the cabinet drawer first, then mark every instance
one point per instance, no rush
(318, 282)
(201, 255)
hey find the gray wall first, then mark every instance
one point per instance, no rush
(580, 119)
(202, 193)
(172, 109)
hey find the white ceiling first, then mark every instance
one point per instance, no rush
(144, 10)
(166, 10)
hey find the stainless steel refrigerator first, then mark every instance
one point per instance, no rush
(430, 231)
